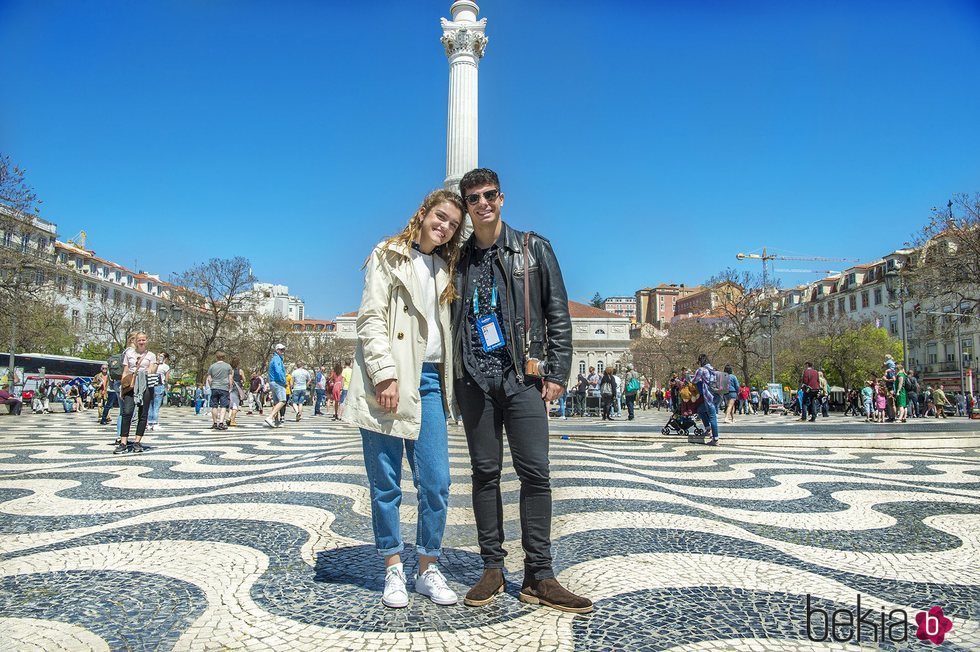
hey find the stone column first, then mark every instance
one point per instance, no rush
(464, 41)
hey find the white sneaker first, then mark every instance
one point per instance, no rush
(269, 422)
(395, 594)
(431, 583)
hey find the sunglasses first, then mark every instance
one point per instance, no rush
(489, 195)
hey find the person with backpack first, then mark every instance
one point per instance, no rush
(633, 386)
(704, 380)
(607, 393)
(732, 388)
(913, 394)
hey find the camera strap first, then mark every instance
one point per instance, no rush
(527, 298)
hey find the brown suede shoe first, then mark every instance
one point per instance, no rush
(490, 585)
(552, 594)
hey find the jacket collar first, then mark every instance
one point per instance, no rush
(508, 239)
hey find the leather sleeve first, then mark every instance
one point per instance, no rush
(558, 322)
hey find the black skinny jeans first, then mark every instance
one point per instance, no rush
(485, 416)
(129, 406)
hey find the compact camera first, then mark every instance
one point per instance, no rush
(536, 367)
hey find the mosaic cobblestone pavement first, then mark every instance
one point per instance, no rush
(260, 539)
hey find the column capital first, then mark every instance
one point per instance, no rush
(464, 37)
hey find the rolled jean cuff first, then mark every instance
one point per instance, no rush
(425, 552)
(387, 552)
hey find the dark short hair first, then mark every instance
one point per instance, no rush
(478, 177)
(728, 368)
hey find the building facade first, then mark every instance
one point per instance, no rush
(656, 306)
(272, 299)
(707, 301)
(622, 306)
(599, 338)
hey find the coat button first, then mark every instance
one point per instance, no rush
(401, 336)
(404, 308)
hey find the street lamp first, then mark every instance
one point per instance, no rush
(895, 283)
(168, 316)
(773, 321)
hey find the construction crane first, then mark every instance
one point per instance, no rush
(771, 316)
(78, 240)
(765, 257)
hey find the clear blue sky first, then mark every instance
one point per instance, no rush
(650, 141)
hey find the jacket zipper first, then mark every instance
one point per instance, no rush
(518, 367)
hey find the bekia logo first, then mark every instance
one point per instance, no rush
(932, 625)
(844, 625)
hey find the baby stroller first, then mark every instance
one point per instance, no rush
(682, 420)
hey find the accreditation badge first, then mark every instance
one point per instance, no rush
(491, 336)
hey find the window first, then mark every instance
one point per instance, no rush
(819, 312)
(128, 301)
(105, 272)
(129, 280)
(812, 313)
(139, 303)
(78, 263)
(63, 257)
(105, 294)
(893, 325)
(74, 318)
(830, 309)
(25, 241)
(599, 331)
(581, 365)
(8, 236)
(77, 287)
(877, 296)
(118, 276)
(91, 290)
(39, 277)
(850, 278)
(116, 296)
(865, 300)
(931, 353)
(62, 284)
(840, 305)
(852, 303)
(89, 322)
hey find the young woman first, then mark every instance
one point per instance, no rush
(336, 385)
(237, 390)
(732, 394)
(607, 392)
(163, 377)
(138, 363)
(401, 387)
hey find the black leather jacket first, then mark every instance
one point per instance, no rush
(550, 323)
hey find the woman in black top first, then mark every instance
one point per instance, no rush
(607, 391)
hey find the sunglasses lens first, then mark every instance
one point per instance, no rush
(472, 199)
(489, 195)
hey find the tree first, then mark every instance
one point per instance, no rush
(656, 357)
(596, 301)
(116, 321)
(211, 295)
(42, 327)
(26, 252)
(946, 268)
(257, 339)
(743, 299)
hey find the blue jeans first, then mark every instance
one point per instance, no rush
(709, 417)
(561, 405)
(428, 456)
(158, 392)
(111, 401)
(321, 398)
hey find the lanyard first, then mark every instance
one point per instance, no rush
(493, 299)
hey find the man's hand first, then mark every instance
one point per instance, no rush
(387, 394)
(550, 391)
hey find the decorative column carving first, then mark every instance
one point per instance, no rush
(464, 41)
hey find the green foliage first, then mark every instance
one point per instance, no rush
(596, 301)
(95, 351)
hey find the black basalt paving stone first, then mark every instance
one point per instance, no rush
(130, 611)
(659, 620)
(956, 599)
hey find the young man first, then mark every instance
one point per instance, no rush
(810, 383)
(321, 391)
(507, 369)
(301, 379)
(277, 385)
(219, 378)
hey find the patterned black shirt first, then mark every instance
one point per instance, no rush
(482, 275)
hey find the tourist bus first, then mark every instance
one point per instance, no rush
(55, 365)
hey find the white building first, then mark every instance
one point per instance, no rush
(622, 306)
(599, 338)
(271, 299)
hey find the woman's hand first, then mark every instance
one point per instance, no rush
(387, 394)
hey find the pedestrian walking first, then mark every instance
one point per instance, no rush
(277, 385)
(138, 363)
(607, 393)
(301, 381)
(220, 381)
(160, 390)
(703, 379)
